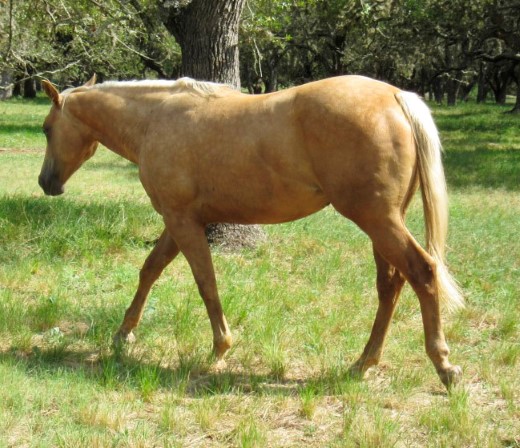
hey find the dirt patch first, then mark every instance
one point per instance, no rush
(233, 237)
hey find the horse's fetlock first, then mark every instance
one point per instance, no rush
(438, 351)
(222, 344)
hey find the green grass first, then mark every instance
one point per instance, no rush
(300, 307)
(21, 123)
(483, 143)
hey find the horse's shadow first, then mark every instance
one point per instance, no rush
(193, 377)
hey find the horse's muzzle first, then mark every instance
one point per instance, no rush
(51, 186)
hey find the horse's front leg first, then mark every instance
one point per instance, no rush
(191, 239)
(162, 254)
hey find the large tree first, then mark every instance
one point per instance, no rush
(207, 32)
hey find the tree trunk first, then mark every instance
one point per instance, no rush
(207, 32)
(29, 88)
(516, 108)
(17, 88)
(6, 85)
(499, 84)
(501, 94)
(452, 88)
(271, 81)
(437, 89)
(482, 86)
(465, 90)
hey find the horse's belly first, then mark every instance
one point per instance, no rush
(253, 205)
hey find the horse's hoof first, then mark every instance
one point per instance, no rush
(221, 346)
(451, 376)
(356, 372)
(121, 338)
(219, 366)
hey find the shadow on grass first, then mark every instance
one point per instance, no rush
(59, 227)
(192, 377)
(35, 129)
(483, 168)
(40, 100)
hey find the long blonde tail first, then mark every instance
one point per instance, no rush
(433, 190)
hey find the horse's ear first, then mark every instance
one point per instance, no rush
(91, 81)
(52, 92)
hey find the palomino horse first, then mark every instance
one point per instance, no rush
(209, 154)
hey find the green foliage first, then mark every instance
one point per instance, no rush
(434, 46)
(431, 45)
(70, 40)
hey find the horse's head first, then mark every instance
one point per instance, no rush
(69, 143)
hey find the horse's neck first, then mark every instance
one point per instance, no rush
(116, 121)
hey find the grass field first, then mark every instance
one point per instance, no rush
(300, 307)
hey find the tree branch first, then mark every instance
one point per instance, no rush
(42, 74)
(508, 55)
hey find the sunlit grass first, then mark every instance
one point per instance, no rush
(21, 123)
(300, 307)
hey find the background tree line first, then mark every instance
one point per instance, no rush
(440, 48)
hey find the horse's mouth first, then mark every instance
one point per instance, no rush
(51, 187)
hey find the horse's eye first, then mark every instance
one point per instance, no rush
(46, 130)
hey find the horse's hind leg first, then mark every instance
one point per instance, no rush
(191, 239)
(162, 254)
(393, 241)
(389, 285)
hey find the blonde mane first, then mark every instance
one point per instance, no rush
(202, 88)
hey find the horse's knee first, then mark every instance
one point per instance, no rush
(146, 272)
